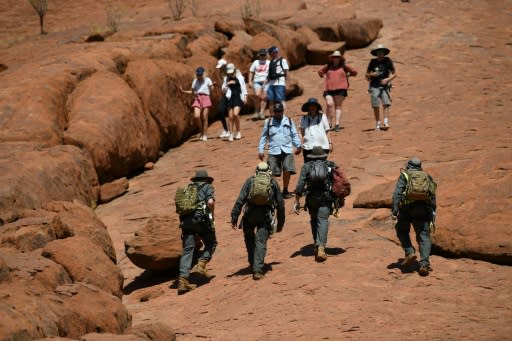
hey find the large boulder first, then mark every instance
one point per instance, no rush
(106, 118)
(358, 33)
(157, 246)
(379, 196)
(114, 189)
(319, 51)
(32, 178)
(86, 262)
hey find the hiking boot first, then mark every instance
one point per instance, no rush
(424, 270)
(320, 255)
(408, 260)
(184, 286)
(286, 194)
(200, 270)
(257, 276)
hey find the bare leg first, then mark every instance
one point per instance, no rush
(204, 119)
(329, 102)
(338, 102)
(197, 119)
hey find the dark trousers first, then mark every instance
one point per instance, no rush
(256, 227)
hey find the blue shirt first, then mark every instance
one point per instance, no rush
(281, 136)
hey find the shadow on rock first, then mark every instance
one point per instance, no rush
(404, 269)
(309, 251)
(149, 278)
(248, 270)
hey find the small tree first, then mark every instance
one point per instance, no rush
(177, 8)
(41, 6)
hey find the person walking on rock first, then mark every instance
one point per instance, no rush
(336, 74)
(278, 74)
(314, 183)
(222, 107)
(414, 202)
(281, 134)
(314, 128)
(196, 206)
(201, 87)
(236, 94)
(380, 73)
(258, 73)
(261, 200)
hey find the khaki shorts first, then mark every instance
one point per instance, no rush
(377, 95)
(278, 163)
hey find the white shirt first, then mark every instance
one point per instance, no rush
(260, 70)
(202, 86)
(315, 131)
(281, 80)
(243, 88)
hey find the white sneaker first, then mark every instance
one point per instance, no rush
(204, 138)
(224, 134)
(377, 126)
(238, 136)
(230, 138)
(386, 123)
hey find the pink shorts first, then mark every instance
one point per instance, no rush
(202, 101)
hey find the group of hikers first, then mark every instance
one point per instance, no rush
(268, 78)
(324, 185)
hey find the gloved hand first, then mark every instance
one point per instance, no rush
(296, 208)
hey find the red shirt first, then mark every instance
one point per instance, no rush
(336, 77)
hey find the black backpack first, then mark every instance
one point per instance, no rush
(272, 69)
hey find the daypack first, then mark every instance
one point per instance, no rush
(419, 187)
(260, 191)
(318, 173)
(186, 199)
(340, 184)
(272, 69)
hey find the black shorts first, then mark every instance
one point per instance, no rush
(338, 92)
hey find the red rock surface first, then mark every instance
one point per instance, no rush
(450, 103)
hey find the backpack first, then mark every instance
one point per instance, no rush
(318, 173)
(340, 185)
(272, 69)
(260, 191)
(186, 199)
(419, 186)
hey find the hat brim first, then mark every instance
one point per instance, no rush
(311, 156)
(305, 106)
(203, 178)
(386, 51)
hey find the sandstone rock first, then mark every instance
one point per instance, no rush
(153, 332)
(293, 89)
(379, 196)
(228, 28)
(359, 32)
(157, 246)
(149, 166)
(114, 189)
(207, 44)
(4, 270)
(238, 51)
(111, 337)
(157, 84)
(319, 51)
(309, 35)
(33, 178)
(127, 141)
(86, 262)
(3, 67)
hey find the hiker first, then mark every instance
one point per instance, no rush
(313, 182)
(414, 202)
(236, 94)
(222, 107)
(258, 73)
(380, 73)
(201, 87)
(198, 221)
(262, 202)
(314, 128)
(336, 74)
(282, 136)
(278, 74)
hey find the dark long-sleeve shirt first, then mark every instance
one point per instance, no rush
(242, 200)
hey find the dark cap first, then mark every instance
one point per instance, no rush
(200, 70)
(273, 49)
(278, 107)
(262, 52)
(414, 163)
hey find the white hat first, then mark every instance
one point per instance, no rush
(230, 68)
(380, 47)
(221, 63)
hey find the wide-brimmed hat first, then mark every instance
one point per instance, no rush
(220, 63)
(202, 174)
(200, 71)
(311, 101)
(336, 53)
(317, 153)
(380, 47)
(414, 162)
(262, 52)
(230, 68)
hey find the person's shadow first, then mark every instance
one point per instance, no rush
(149, 278)
(309, 251)
(404, 269)
(248, 270)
